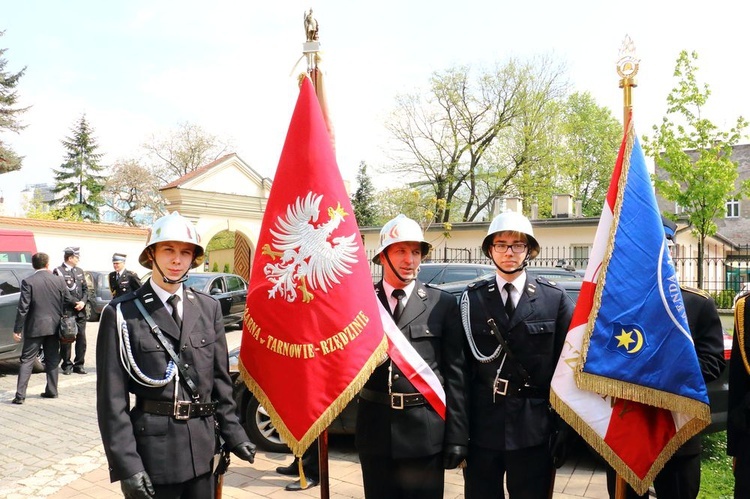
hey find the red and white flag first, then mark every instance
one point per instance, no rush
(312, 333)
(628, 379)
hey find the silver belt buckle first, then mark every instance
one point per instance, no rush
(397, 400)
(182, 410)
(501, 386)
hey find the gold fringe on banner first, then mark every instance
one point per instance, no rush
(298, 447)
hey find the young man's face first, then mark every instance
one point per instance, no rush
(173, 259)
(505, 256)
(405, 258)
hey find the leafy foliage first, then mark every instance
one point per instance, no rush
(9, 160)
(78, 182)
(693, 157)
(716, 468)
(364, 197)
(469, 136)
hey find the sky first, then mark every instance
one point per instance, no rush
(139, 68)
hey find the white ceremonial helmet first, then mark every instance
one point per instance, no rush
(173, 227)
(514, 222)
(398, 230)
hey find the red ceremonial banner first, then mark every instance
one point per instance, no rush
(312, 333)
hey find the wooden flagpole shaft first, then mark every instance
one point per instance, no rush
(325, 492)
(621, 487)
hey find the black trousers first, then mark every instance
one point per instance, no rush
(528, 473)
(679, 479)
(80, 346)
(414, 478)
(29, 352)
(201, 487)
(742, 474)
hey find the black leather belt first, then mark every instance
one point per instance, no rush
(178, 410)
(395, 400)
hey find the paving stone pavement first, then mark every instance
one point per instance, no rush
(51, 448)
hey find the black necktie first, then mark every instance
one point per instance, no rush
(398, 294)
(173, 301)
(509, 307)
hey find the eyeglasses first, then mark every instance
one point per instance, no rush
(515, 247)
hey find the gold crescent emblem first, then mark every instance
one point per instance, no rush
(625, 339)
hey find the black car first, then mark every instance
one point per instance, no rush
(99, 293)
(11, 275)
(229, 289)
(441, 273)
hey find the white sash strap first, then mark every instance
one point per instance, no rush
(416, 370)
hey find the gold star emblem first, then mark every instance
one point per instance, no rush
(625, 339)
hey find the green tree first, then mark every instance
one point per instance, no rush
(590, 137)
(131, 189)
(694, 157)
(451, 135)
(9, 160)
(363, 201)
(78, 182)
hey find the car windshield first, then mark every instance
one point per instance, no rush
(197, 281)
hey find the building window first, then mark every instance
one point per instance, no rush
(580, 256)
(733, 208)
(678, 209)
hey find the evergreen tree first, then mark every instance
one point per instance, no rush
(364, 197)
(9, 160)
(78, 182)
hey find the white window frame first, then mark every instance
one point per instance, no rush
(732, 208)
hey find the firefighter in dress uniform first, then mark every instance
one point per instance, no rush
(510, 419)
(404, 445)
(163, 445)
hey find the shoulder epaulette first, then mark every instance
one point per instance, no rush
(480, 283)
(197, 291)
(546, 282)
(695, 291)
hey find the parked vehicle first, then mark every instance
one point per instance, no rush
(229, 289)
(441, 273)
(99, 293)
(16, 245)
(556, 274)
(11, 275)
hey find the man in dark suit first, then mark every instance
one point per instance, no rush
(121, 280)
(404, 445)
(163, 446)
(681, 476)
(76, 283)
(37, 322)
(510, 417)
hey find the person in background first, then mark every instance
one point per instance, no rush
(76, 283)
(40, 307)
(404, 445)
(166, 345)
(121, 280)
(511, 367)
(680, 478)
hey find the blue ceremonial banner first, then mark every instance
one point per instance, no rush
(640, 346)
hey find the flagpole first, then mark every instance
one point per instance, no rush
(310, 50)
(627, 68)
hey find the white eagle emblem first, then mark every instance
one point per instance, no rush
(308, 258)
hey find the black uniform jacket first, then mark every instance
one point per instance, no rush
(535, 335)
(77, 286)
(127, 282)
(431, 323)
(40, 306)
(708, 338)
(738, 423)
(170, 450)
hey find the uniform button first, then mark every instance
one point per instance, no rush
(396, 376)
(184, 347)
(203, 340)
(186, 366)
(158, 347)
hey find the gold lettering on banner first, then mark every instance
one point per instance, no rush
(333, 343)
